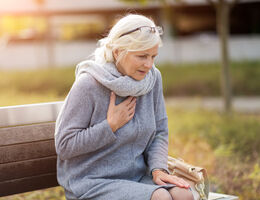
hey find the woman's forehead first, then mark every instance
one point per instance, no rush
(153, 50)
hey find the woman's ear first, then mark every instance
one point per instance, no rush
(116, 54)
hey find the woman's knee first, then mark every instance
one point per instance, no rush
(178, 193)
(161, 194)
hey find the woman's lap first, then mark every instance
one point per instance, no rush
(118, 189)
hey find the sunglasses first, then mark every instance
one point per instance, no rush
(148, 29)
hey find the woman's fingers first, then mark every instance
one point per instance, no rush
(128, 105)
(178, 181)
(131, 114)
(160, 176)
(132, 103)
(160, 182)
(127, 101)
(132, 108)
(186, 184)
(119, 115)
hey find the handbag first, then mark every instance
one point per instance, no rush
(195, 176)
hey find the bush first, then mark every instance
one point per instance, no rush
(204, 79)
(239, 177)
(232, 157)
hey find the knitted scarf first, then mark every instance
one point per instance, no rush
(111, 78)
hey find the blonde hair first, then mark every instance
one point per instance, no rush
(136, 41)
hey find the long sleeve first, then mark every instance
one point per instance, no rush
(157, 152)
(74, 135)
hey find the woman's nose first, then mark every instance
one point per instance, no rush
(149, 63)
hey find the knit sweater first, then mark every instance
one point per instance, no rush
(92, 160)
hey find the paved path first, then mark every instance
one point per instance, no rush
(240, 104)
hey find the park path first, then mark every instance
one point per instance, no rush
(240, 104)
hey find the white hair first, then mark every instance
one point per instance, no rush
(136, 41)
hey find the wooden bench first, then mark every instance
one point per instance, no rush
(27, 152)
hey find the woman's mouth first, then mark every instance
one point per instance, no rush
(142, 72)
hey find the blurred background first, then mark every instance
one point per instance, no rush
(210, 64)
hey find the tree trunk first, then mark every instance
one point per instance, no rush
(223, 11)
(50, 44)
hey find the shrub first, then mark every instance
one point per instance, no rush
(204, 79)
(227, 145)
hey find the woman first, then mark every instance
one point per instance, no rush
(111, 135)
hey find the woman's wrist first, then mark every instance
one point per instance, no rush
(112, 126)
(160, 169)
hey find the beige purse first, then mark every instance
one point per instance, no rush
(195, 176)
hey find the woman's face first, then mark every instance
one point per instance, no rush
(137, 64)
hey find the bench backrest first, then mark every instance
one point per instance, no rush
(27, 152)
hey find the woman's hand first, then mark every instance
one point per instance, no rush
(162, 178)
(119, 115)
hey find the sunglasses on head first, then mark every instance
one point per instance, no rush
(148, 29)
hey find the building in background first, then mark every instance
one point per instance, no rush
(45, 33)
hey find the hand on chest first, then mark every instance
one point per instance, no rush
(141, 127)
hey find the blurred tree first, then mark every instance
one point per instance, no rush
(49, 39)
(223, 8)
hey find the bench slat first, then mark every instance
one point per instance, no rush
(27, 168)
(27, 151)
(29, 133)
(28, 184)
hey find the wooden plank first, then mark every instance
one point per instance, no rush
(16, 170)
(28, 133)
(29, 114)
(20, 152)
(28, 184)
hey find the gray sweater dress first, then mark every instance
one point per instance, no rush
(98, 164)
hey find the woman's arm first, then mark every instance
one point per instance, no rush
(157, 152)
(73, 134)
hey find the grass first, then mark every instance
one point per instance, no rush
(204, 79)
(226, 145)
(35, 86)
(201, 79)
(55, 193)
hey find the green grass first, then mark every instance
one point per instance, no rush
(35, 86)
(204, 79)
(201, 79)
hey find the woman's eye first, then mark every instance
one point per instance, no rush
(142, 56)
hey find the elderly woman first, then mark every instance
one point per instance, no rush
(111, 135)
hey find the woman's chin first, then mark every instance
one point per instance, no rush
(138, 78)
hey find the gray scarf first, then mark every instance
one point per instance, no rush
(110, 77)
